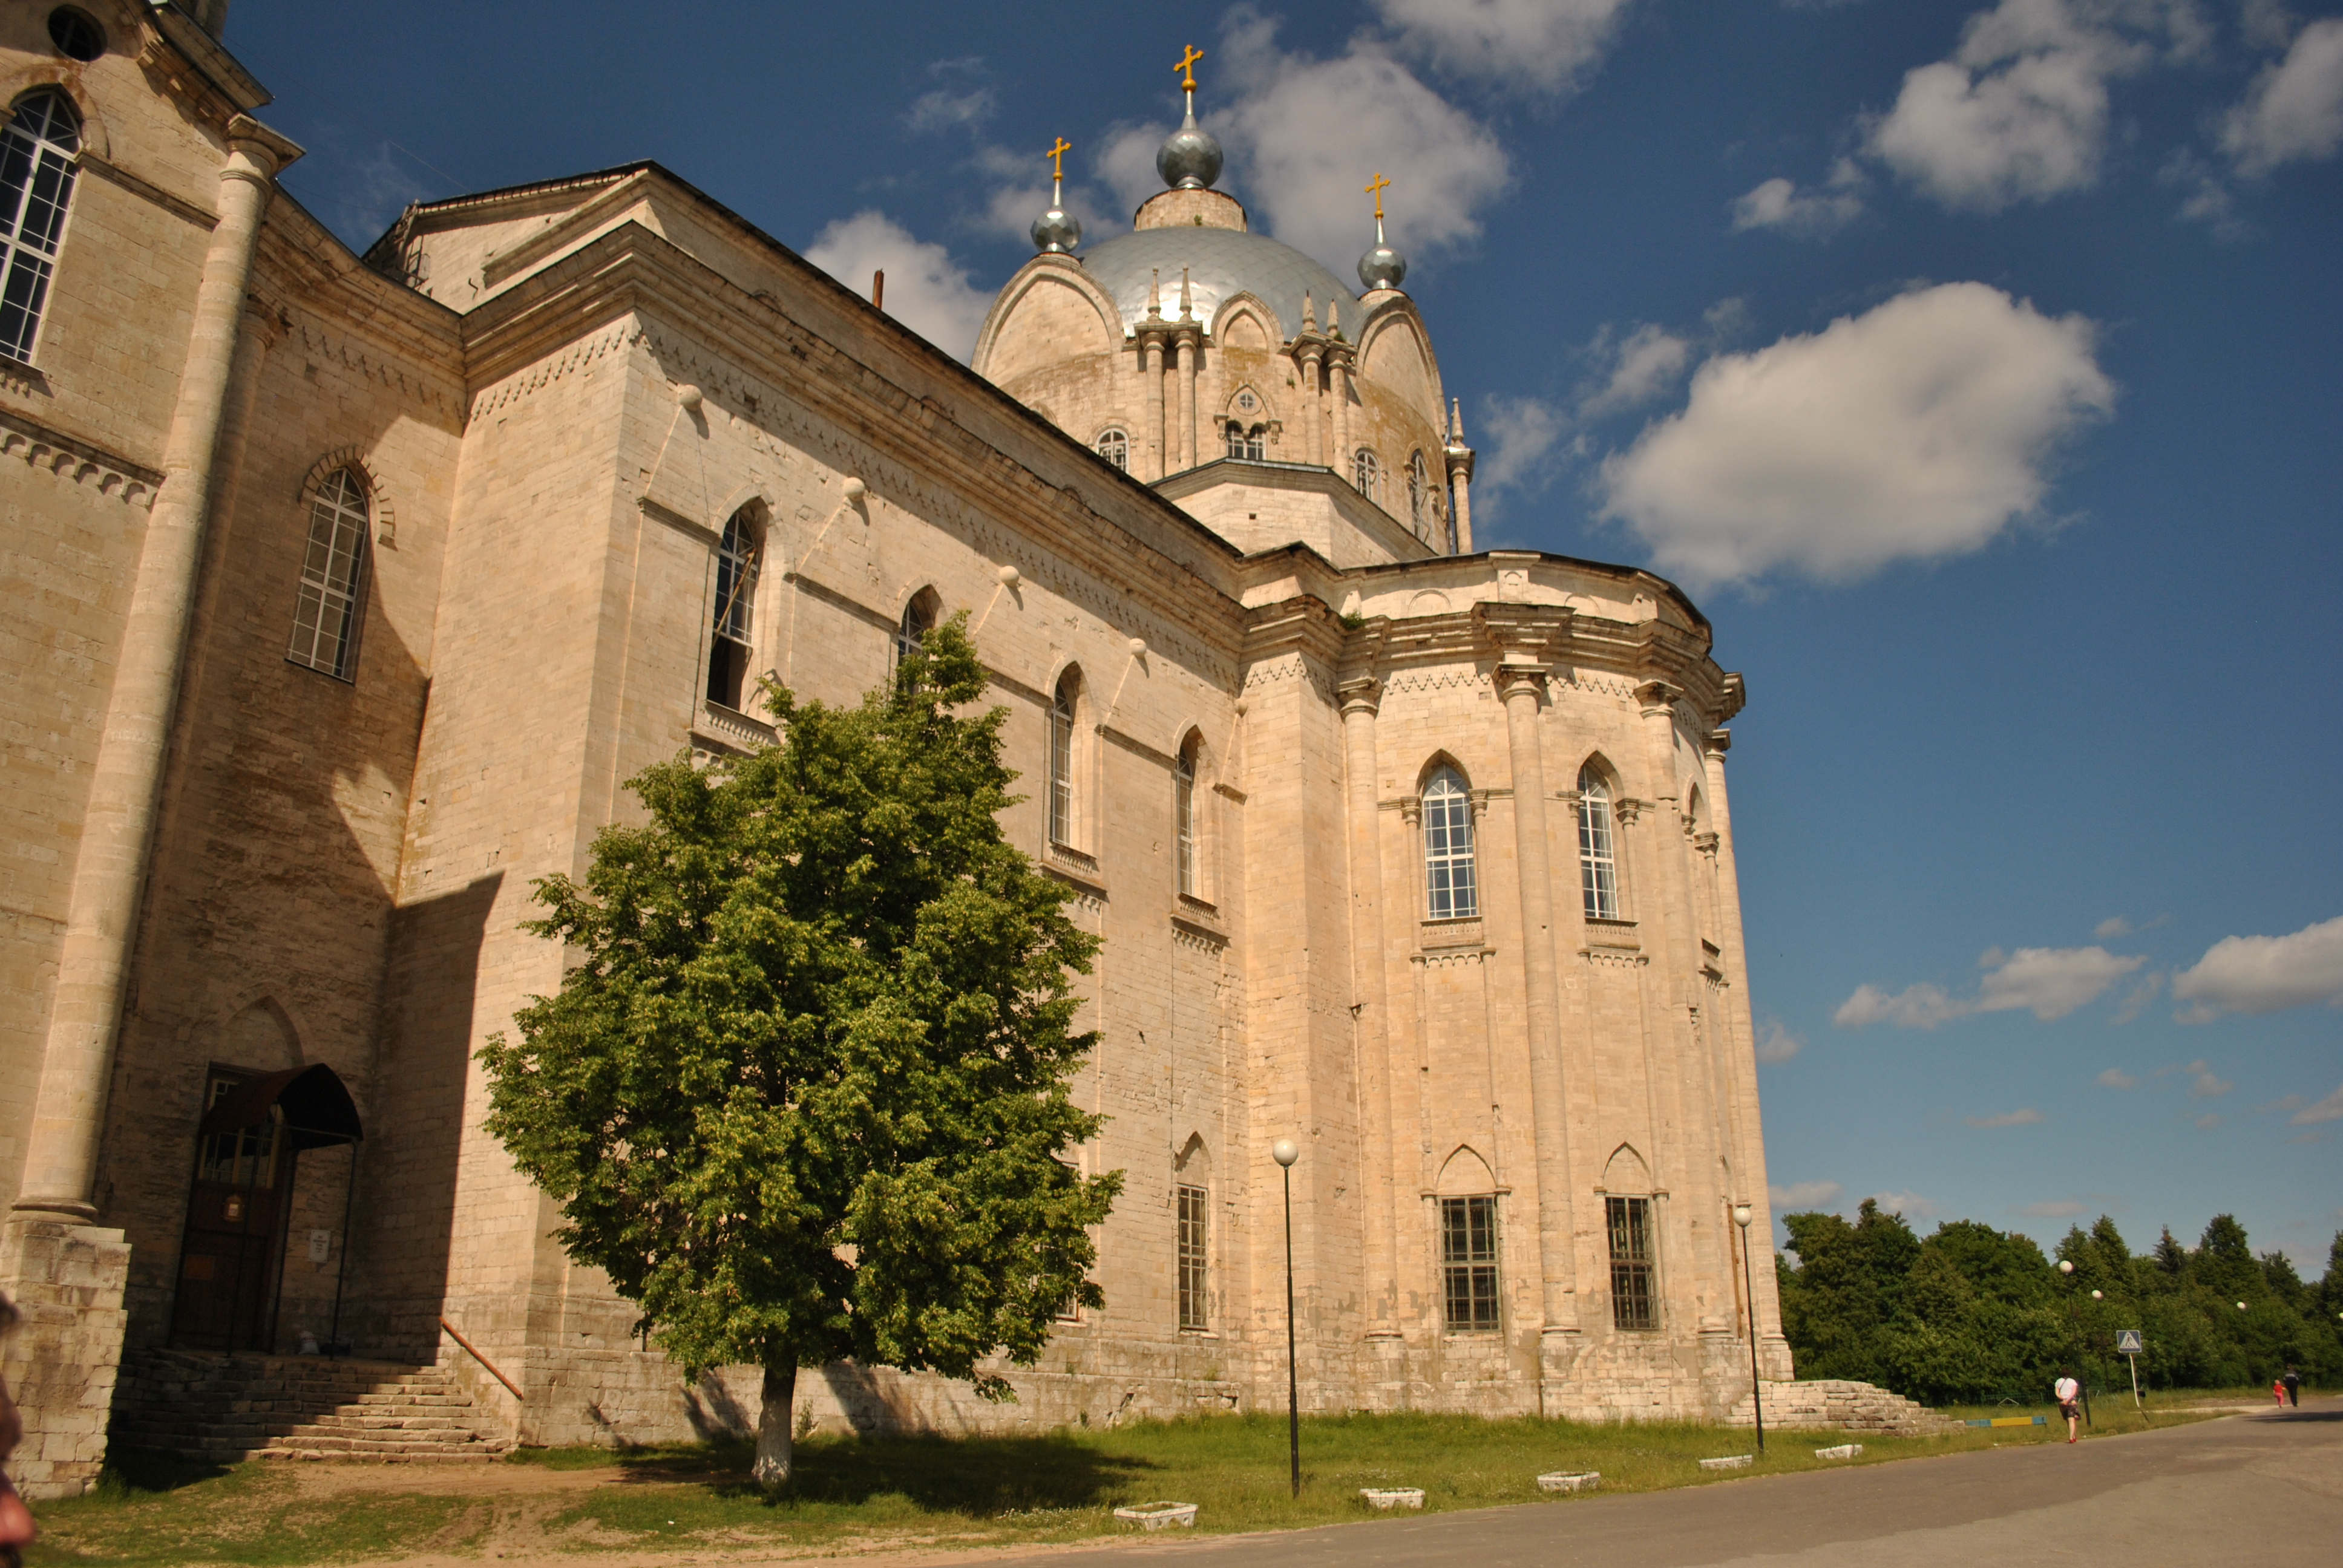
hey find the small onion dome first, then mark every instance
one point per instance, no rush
(1057, 232)
(1382, 268)
(1188, 158)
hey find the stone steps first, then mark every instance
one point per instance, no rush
(1838, 1404)
(223, 1409)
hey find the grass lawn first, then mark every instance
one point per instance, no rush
(913, 1491)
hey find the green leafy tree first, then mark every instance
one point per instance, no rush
(802, 1094)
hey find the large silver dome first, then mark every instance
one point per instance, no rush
(1221, 263)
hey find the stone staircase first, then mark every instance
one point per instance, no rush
(209, 1407)
(1838, 1404)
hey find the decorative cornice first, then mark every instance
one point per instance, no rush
(98, 470)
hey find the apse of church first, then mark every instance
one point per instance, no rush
(346, 592)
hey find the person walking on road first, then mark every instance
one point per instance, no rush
(2278, 1392)
(2292, 1381)
(2069, 1395)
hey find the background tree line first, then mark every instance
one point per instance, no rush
(1970, 1315)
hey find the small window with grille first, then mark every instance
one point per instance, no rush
(330, 608)
(1114, 445)
(1367, 474)
(1194, 1304)
(1468, 1264)
(1631, 1304)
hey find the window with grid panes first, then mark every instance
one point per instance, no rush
(1448, 878)
(1114, 445)
(1194, 1308)
(1183, 810)
(36, 181)
(1598, 866)
(736, 601)
(1061, 763)
(325, 615)
(1468, 1264)
(1632, 1304)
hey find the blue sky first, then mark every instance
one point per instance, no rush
(1974, 364)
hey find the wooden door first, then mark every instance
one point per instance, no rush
(234, 1245)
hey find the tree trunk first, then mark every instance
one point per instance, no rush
(776, 1451)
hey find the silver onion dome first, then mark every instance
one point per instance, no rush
(1382, 268)
(1188, 158)
(1057, 232)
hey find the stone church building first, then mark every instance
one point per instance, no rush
(340, 595)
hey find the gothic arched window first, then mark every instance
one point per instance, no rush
(1367, 474)
(1183, 813)
(1061, 758)
(1418, 491)
(919, 619)
(1448, 879)
(36, 180)
(1598, 866)
(736, 596)
(327, 616)
(1114, 445)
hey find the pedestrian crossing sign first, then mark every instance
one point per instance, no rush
(2127, 1342)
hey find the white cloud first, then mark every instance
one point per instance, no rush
(2057, 1208)
(2117, 1078)
(1776, 1045)
(1644, 366)
(2327, 1110)
(1915, 431)
(1547, 44)
(1519, 435)
(1921, 1006)
(1804, 213)
(1308, 134)
(2208, 1084)
(2051, 982)
(2020, 111)
(927, 291)
(1802, 1195)
(2207, 1122)
(2112, 926)
(1126, 162)
(945, 110)
(2026, 1117)
(1911, 1205)
(2265, 974)
(2295, 109)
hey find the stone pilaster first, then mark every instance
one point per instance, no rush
(1360, 700)
(1151, 434)
(1187, 344)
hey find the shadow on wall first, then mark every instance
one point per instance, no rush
(406, 1198)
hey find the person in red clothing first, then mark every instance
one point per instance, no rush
(2278, 1392)
(17, 1530)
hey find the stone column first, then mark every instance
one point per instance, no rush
(66, 1273)
(1338, 369)
(1313, 405)
(1460, 479)
(1360, 700)
(117, 828)
(1521, 685)
(1187, 400)
(1702, 1209)
(1151, 432)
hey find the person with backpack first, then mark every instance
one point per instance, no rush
(2292, 1381)
(2069, 1396)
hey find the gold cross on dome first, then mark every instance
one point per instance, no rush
(1375, 188)
(1187, 66)
(1056, 155)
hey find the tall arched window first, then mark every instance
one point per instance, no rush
(1114, 445)
(37, 179)
(1419, 492)
(1598, 866)
(1183, 814)
(1367, 474)
(919, 619)
(1448, 878)
(736, 599)
(1061, 759)
(326, 615)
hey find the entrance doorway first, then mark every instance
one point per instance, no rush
(240, 1201)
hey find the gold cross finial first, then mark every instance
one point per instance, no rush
(1375, 188)
(1187, 68)
(1056, 155)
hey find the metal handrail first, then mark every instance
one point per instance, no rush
(458, 1335)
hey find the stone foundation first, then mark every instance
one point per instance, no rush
(63, 1359)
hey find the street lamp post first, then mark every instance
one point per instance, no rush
(1285, 1151)
(1742, 1215)
(2074, 1332)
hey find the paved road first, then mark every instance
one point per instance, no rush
(2263, 1489)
